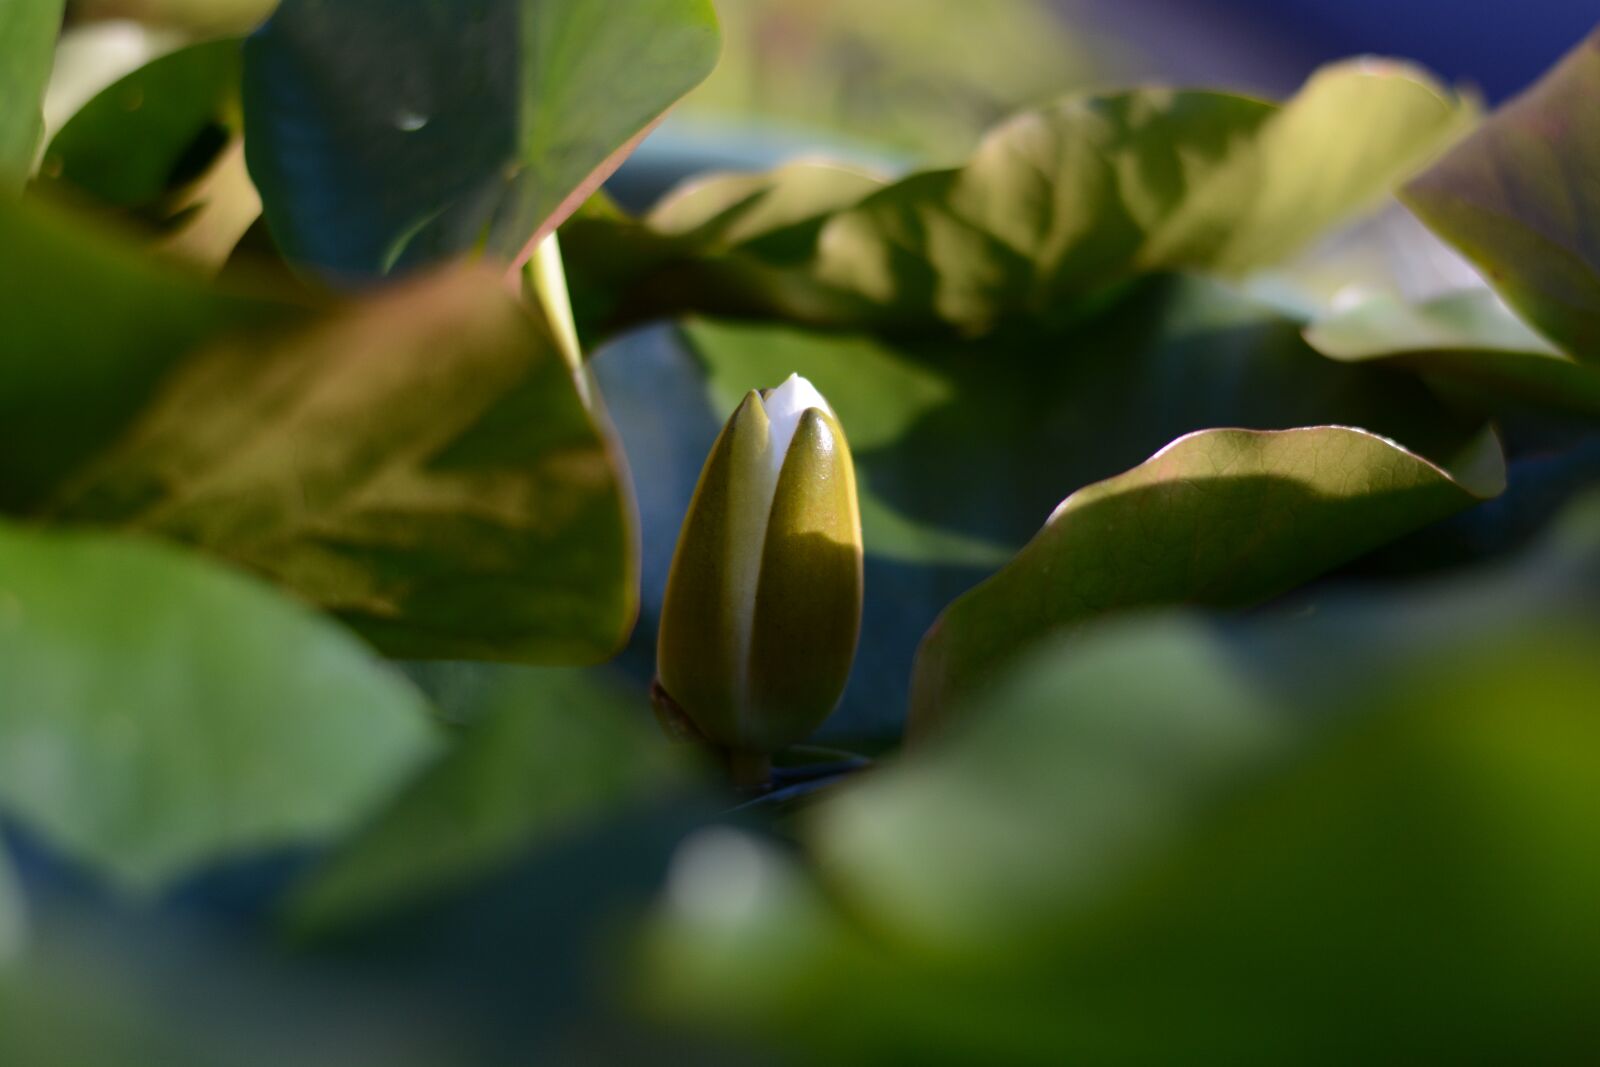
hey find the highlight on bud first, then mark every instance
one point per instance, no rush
(763, 604)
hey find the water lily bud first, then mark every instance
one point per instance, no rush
(763, 602)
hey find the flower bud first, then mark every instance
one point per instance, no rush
(763, 603)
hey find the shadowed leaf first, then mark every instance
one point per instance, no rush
(1520, 199)
(550, 753)
(378, 140)
(420, 462)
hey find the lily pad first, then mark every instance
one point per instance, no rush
(1519, 199)
(1469, 338)
(1056, 208)
(421, 462)
(1224, 518)
(158, 713)
(379, 142)
(548, 753)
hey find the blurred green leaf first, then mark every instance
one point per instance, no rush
(1060, 205)
(378, 140)
(78, 309)
(1519, 198)
(420, 462)
(28, 30)
(774, 215)
(1226, 518)
(13, 914)
(157, 714)
(549, 753)
(1359, 833)
(164, 145)
(918, 76)
(1470, 338)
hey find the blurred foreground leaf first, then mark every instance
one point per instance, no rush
(13, 914)
(420, 462)
(28, 30)
(378, 140)
(157, 713)
(1225, 518)
(1253, 831)
(548, 754)
(1519, 198)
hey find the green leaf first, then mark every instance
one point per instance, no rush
(1243, 828)
(1226, 518)
(28, 30)
(949, 438)
(774, 215)
(378, 140)
(1058, 204)
(1519, 198)
(420, 462)
(145, 319)
(1058, 207)
(13, 914)
(164, 146)
(1469, 338)
(158, 714)
(550, 753)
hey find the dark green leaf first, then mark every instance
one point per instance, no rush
(1220, 517)
(376, 139)
(1519, 198)
(157, 713)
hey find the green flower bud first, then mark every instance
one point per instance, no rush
(763, 602)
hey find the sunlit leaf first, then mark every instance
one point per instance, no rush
(157, 713)
(379, 141)
(1057, 207)
(1519, 198)
(164, 146)
(28, 30)
(1226, 518)
(1470, 338)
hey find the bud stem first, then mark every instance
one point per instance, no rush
(751, 771)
